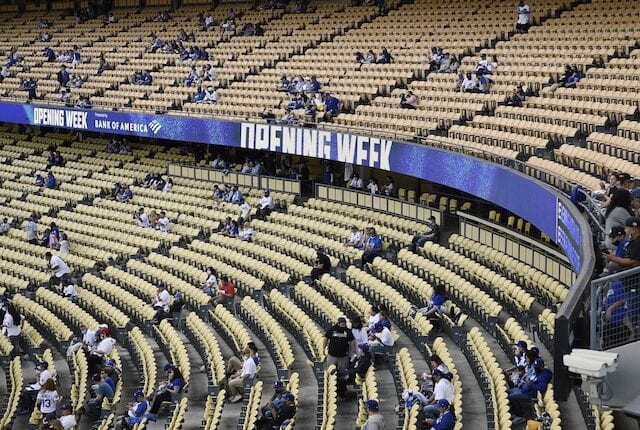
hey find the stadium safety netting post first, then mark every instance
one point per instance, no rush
(615, 309)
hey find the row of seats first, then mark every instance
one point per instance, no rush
(439, 348)
(143, 356)
(245, 283)
(398, 306)
(405, 378)
(333, 246)
(547, 289)
(507, 291)
(298, 323)
(213, 411)
(263, 323)
(43, 318)
(15, 383)
(103, 309)
(476, 302)
(169, 336)
(80, 370)
(226, 324)
(252, 408)
(203, 339)
(327, 399)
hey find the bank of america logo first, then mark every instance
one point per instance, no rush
(155, 126)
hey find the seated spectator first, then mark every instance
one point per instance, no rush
(470, 83)
(385, 57)
(372, 186)
(372, 247)
(236, 381)
(218, 193)
(284, 84)
(236, 195)
(110, 19)
(210, 74)
(163, 222)
(528, 392)
(210, 284)
(445, 62)
(355, 241)
(39, 180)
(199, 96)
(380, 337)
(51, 181)
(66, 97)
(135, 412)
(63, 245)
(246, 234)
(146, 78)
(102, 391)
(265, 206)
(4, 73)
(102, 66)
(390, 188)
(442, 390)
(446, 419)
(288, 118)
(171, 386)
(156, 43)
(370, 58)
(432, 234)
(435, 306)
(125, 195)
(63, 76)
(219, 163)
(484, 66)
(435, 57)
(311, 85)
(514, 99)
(484, 84)
(229, 26)
(409, 101)
(631, 252)
(50, 54)
(257, 168)
(226, 292)
(210, 96)
(84, 103)
(453, 65)
(75, 56)
(321, 265)
(245, 213)
(76, 81)
(359, 57)
(573, 78)
(167, 185)
(4, 226)
(355, 182)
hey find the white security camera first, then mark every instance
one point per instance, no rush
(589, 363)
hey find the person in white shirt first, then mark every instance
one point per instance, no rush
(359, 332)
(355, 241)
(67, 421)
(246, 233)
(163, 222)
(245, 212)
(102, 349)
(31, 391)
(70, 293)
(48, 398)
(64, 245)
(374, 316)
(167, 185)
(355, 182)
(443, 389)
(265, 206)
(372, 186)
(142, 218)
(237, 379)
(219, 163)
(210, 285)
(11, 326)
(4, 226)
(161, 302)
(210, 96)
(524, 16)
(380, 337)
(470, 83)
(31, 231)
(59, 269)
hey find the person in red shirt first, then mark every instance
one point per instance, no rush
(226, 292)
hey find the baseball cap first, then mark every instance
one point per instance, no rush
(42, 365)
(161, 285)
(342, 320)
(168, 367)
(110, 363)
(521, 344)
(364, 347)
(67, 407)
(50, 416)
(635, 193)
(137, 394)
(278, 384)
(616, 231)
(535, 350)
(538, 363)
(633, 221)
(372, 405)
(178, 295)
(443, 403)
(288, 397)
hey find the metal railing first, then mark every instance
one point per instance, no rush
(615, 309)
